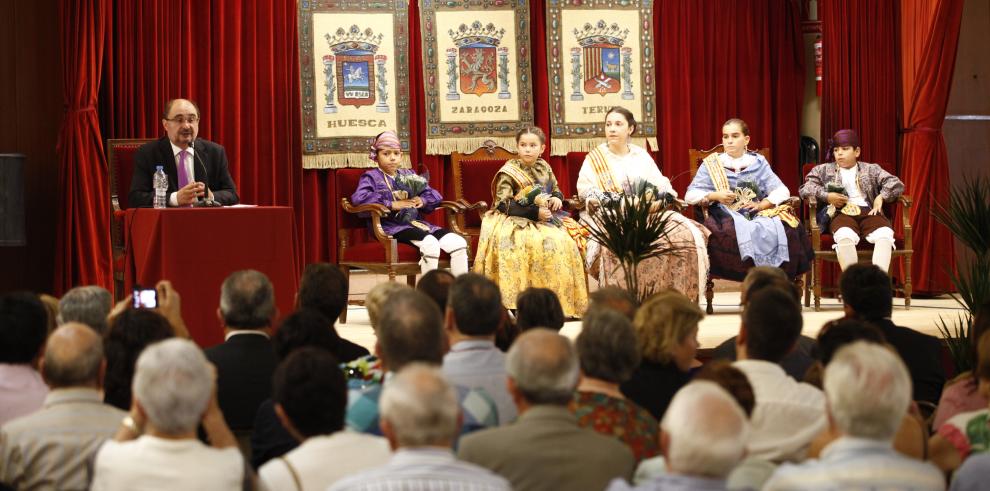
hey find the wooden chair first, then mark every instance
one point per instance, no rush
(473, 174)
(120, 167)
(377, 251)
(696, 157)
(821, 242)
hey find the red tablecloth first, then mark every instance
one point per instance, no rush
(197, 248)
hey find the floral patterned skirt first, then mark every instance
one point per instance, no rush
(518, 253)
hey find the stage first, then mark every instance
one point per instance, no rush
(922, 316)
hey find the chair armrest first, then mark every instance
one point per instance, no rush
(376, 211)
(453, 205)
(816, 232)
(452, 209)
(678, 205)
(574, 204)
(906, 201)
(480, 205)
(794, 201)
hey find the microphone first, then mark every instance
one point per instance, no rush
(204, 201)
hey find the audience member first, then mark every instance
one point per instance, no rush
(972, 474)
(615, 298)
(51, 305)
(420, 419)
(801, 357)
(732, 380)
(608, 355)
(23, 327)
(245, 360)
(129, 333)
(88, 305)
(868, 296)
(702, 437)
(966, 433)
(310, 399)
(788, 414)
(961, 394)
(473, 314)
(52, 447)
(545, 448)
(539, 307)
(667, 339)
(868, 391)
(323, 288)
(368, 370)
(834, 335)
(410, 329)
(436, 285)
(156, 445)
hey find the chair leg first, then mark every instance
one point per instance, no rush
(907, 282)
(411, 280)
(807, 287)
(709, 295)
(799, 284)
(816, 275)
(347, 280)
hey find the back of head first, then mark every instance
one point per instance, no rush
(476, 303)
(304, 328)
(73, 356)
(436, 285)
(130, 333)
(23, 327)
(733, 380)
(311, 390)
(247, 300)
(761, 277)
(606, 346)
(539, 307)
(410, 329)
(420, 407)
(866, 290)
(323, 288)
(173, 383)
(378, 296)
(837, 334)
(868, 390)
(663, 322)
(89, 305)
(706, 430)
(544, 366)
(616, 298)
(773, 322)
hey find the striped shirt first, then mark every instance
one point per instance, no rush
(412, 469)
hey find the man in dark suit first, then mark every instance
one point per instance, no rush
(245, 361)
(196, 168)
(868, 296)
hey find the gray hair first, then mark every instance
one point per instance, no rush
(89, 305)
(544, 366)
(607, 346)
(378, 295)
(247, 300)
(173, 382)
(707, 431)
(420, 406)
(73, 356)
(868, 390)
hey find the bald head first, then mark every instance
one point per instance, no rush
(544, 367)
(73, 357)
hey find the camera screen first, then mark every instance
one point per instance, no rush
(147, 299)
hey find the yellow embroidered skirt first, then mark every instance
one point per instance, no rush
(518, 253)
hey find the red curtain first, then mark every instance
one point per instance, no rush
(720, 59)
(929, 36)
(83, 232)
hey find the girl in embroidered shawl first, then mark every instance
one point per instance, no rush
(526, 239)
(749, 224)
(410, 198)
(615, 167)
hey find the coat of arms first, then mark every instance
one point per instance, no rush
(481, 65)
(607, 65)
(355, 63)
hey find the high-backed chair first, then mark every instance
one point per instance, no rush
(821, 242)
(375, 250)
(120, 166)
(696, 157)
(473, 175)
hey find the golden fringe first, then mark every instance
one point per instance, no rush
(447, 146)
(564, 146)
(344, 160)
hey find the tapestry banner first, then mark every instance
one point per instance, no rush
(477, 73)
(599, 56)
(352, 56)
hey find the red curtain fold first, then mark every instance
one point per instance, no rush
(720, 59)
(83, 235)
(929, 37)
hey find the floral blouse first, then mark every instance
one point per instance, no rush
(620, 418)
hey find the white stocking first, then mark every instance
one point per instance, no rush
(845, 247)
(457, 247)
(429, 247)
(883, 244)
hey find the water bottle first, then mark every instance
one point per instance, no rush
(160, 182)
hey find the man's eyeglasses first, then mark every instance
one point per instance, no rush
(189, 118)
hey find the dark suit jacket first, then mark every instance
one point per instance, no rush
(245, 364)
(159, 152)
(923, 356)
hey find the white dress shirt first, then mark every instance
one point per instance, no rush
(323, 460)
(851, 184)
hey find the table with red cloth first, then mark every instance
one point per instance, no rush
(197, 248)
